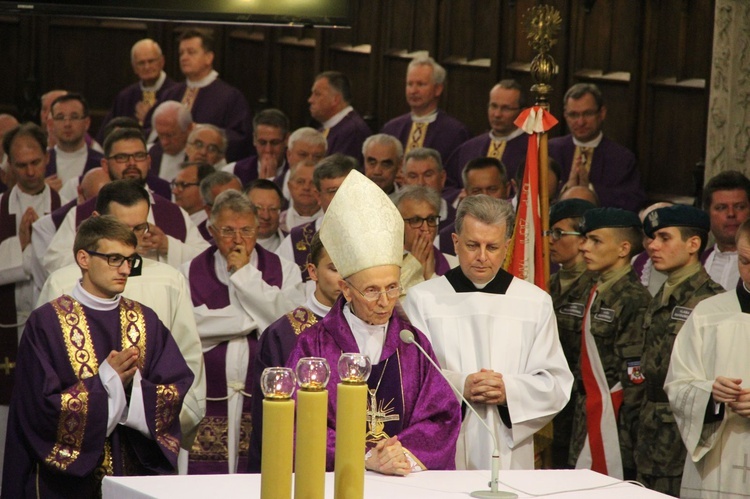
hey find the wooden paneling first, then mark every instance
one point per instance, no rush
(15, 68)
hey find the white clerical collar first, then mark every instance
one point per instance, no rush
(427, 118)
(723, 254)
(505, 138)
(369, 337)
(156, 86)
(482, 286)
(336, 118)
(82, 151)
(203, 82)
(590, 143)
(745, 286)
(95, 302)
(316, 307)
(220, 266)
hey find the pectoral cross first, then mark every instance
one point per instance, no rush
(377, 415)
(7, 366)
(745, 468)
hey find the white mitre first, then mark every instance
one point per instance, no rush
(362, 228)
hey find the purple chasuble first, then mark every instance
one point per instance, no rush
(448, 221)
(430, 417)
(348, 135)
(514, 156)
(274, 347)
(57, 442)
(613, 172)
(93, 159)
(445, 238)
(441, 263)
(209, 453)
(301, 240)
(444, 134)
(9, 335)
(203, 229)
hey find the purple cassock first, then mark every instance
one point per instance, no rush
(247, 170)
(301, 237)
(125, 102)
(220, 104)
(444, 135)
(274, 347)
(514, 156)
(348, 135)
(93, 159)
(429, 415)
(210, 453)
(57, 443)
(613, 173)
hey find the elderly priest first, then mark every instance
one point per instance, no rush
(418, 416)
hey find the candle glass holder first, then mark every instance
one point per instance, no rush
(354, 368)
(313, 373)
(278, 383)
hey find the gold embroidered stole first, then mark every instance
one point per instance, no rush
(496, 149)
(416, 135)
(325, 132)
(583, 156)
(300, 319)
(189, 98)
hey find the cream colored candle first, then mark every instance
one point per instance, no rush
(276, 459)
(351, 419)
(310, 451)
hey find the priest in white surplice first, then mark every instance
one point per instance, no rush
(708, 385)
(496, 339)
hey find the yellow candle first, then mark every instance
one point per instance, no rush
(351, 418)
(276, 458)
(310, 452)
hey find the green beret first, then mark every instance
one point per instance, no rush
(599, 218)
(569, 208)
(678, 215)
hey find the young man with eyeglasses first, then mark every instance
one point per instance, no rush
(362, 234)
(496, 339)
(100, 381)
(70, 158)
(588, 157)
(569, 288)
(238, 289)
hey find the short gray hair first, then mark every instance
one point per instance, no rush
(334, 166)
(421, 154)
(487, 210)
(215, 179)
(233, 201)
(145, 41)
(307, 135)
(184, 117)
(418, 193)
(580, 89)
(385, 140)
(208, 126)
(438, 71)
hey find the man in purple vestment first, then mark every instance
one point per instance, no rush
(279, 339)
(587, 157)
(172, 123)
(186, 190)
(209, 99)
(237, 289)
(136, 100)
(270, 135)
(426, 125)
(207, 143)
(505, 141)
(383, 155)
(305, 145)
(267, 199)
(101, 381)
(416, 420)
(330, 105)
(210, 187)
(423, 166)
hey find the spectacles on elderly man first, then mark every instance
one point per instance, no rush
(393, 291)
(200, 145)
(243, 232)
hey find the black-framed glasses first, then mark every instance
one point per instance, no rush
(558, 234)
(125, 157)
(416, 222)
(391, 292)
(244, 232)
(200, 145)
(181, 186)
(141, 228)
(116, 259)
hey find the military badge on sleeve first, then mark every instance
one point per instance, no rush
(634, 372)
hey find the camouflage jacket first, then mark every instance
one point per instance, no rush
(615, 326)
(659, 447)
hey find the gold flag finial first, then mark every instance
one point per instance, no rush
(543, 23)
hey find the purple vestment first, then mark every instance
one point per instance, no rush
(93, 160)
(613, 172)
(444, 134)
(348, 135)
(445, 238)
(274, 347)
(220, 104)
(441, 263)
(57, 444)
(301, 240)
(430, 418)
(513, 158)
(125, 102)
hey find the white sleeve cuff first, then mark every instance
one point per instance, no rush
(116, 402)
(136, 415)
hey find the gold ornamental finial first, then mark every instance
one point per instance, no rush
(543, 23)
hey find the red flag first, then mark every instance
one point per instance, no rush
(525, 255)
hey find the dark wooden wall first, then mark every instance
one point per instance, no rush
(651, 58)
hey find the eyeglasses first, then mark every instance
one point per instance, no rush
(141, 228)
(179, 186)
(200, 145)
(416, 222)
(391, 292)
(72, 117)
(244, 232)
(116, 259)
(585, 114)
(557, 234)
(125, 157)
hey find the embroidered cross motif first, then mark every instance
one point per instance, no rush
(7, 365)
(378, 414)
(745, 468)
(416, 137)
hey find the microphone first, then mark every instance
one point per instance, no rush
(408, 338)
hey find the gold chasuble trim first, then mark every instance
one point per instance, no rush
(301, 319)
(133, 327)
(167, 404)
(416, 135)
(77, 337)
(74, 406)
(496, 149)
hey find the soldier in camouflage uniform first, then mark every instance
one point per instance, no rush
(679, 236)
(569, 288)
(611, 326)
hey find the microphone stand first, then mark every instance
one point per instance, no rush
(408, 337)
